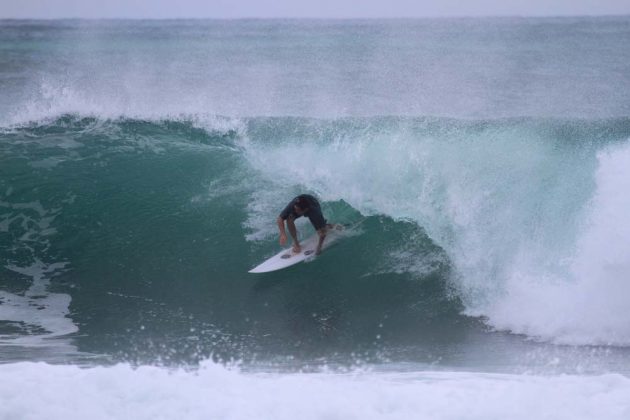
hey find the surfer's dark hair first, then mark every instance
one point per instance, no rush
(301, 202)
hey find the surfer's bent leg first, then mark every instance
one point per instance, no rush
(322, 236)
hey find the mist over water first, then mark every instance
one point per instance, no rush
(471, 68)
(481, 162)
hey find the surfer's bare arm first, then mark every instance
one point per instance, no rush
(293, 231)
(283, 233)
(322, 235)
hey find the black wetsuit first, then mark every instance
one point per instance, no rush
(314, 212)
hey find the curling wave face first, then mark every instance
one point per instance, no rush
(154, 223)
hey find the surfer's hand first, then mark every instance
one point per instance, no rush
(297, 248)
(283, 238)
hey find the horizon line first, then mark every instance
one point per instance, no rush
(502, 16)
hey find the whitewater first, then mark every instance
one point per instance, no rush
(484, 162)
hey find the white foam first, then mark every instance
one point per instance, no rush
(37, 307)
(215, 392)
(587, 305)
(41, 314)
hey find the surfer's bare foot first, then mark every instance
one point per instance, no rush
(297, 248)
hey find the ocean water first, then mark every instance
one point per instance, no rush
(484, 165)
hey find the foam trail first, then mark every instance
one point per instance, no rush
(37, 307)
(39, 314)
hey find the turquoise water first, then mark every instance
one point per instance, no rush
(143, 164)
(150, 229)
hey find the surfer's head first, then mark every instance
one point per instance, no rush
(300, 205)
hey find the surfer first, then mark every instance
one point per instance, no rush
(302, 205)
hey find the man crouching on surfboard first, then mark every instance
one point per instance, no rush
(302, 205)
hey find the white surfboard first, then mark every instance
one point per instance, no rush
(287, 257)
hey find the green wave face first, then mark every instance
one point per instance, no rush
(135, 236)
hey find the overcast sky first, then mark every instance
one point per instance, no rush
(304, 8)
